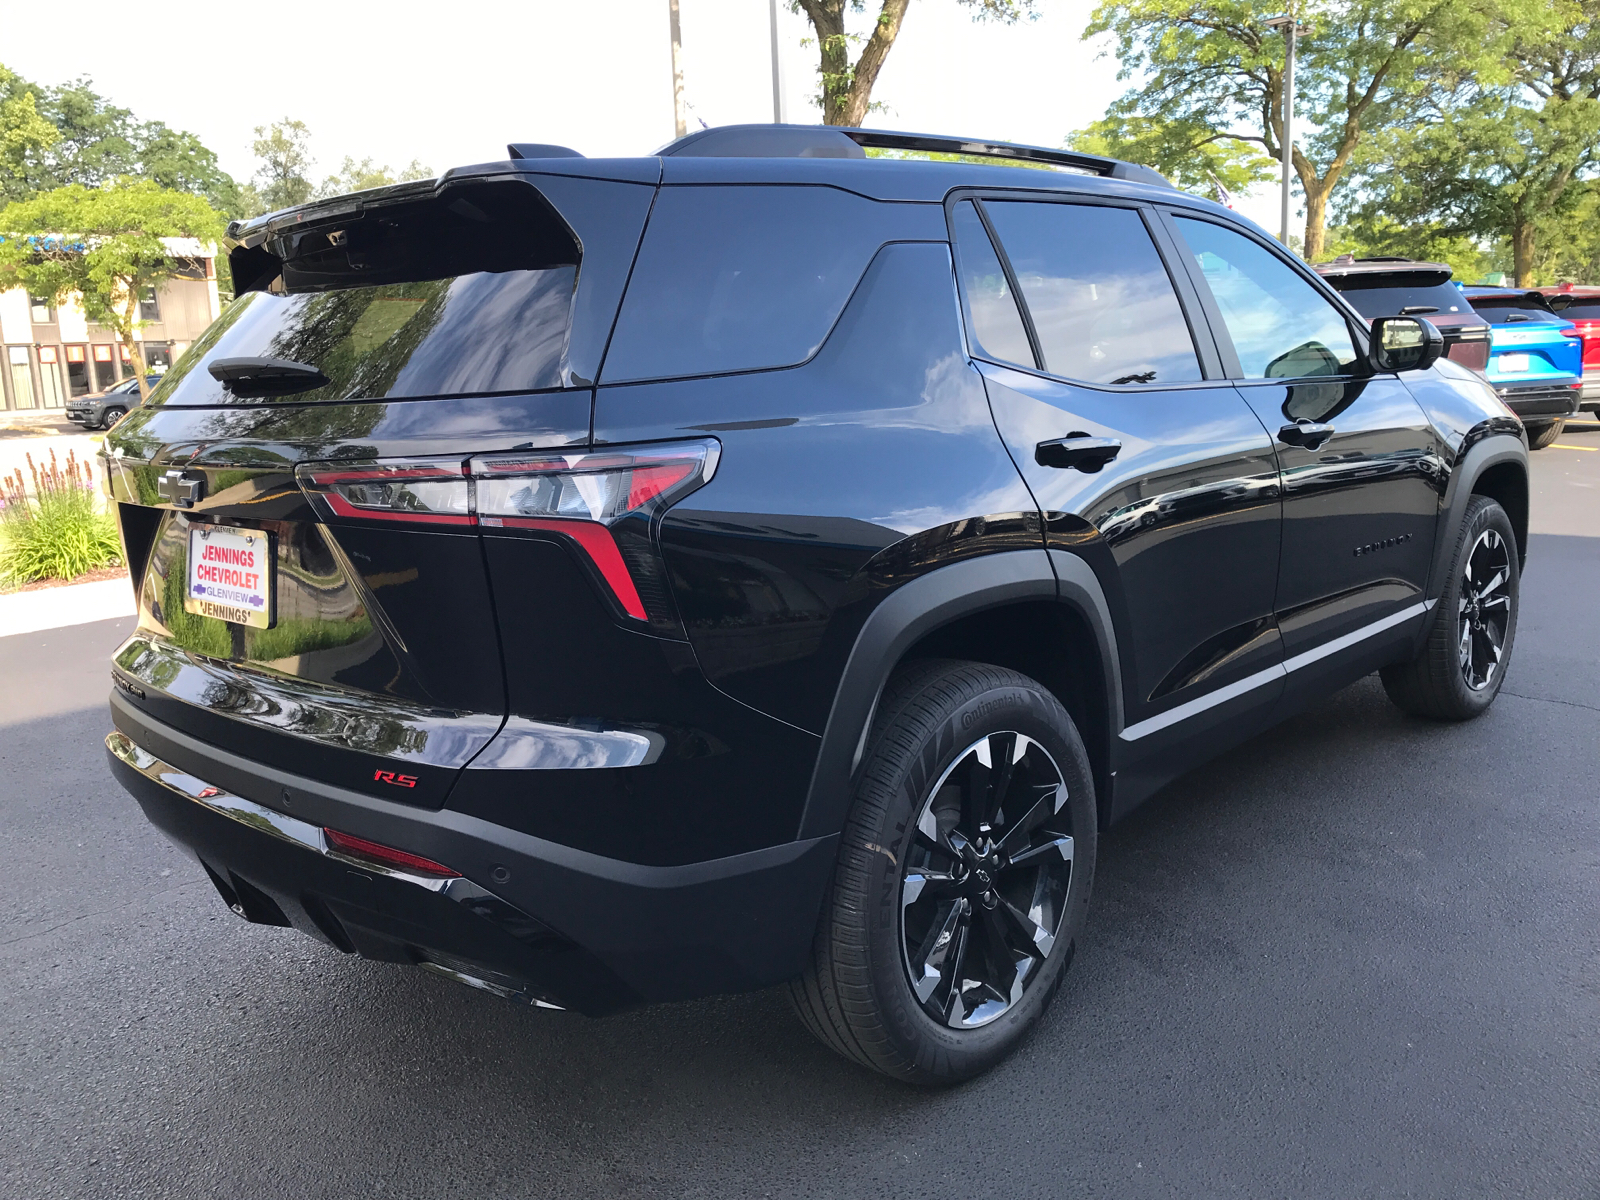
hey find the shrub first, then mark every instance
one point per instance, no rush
(61, 532)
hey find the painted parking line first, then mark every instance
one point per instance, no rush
(1564, 446)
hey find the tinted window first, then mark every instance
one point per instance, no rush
(484, 332)
(1281, 327)
(1101, 302)
(1383, 297)
(1500, 310)
(992, 314)
(1586, 309)
(741, 278)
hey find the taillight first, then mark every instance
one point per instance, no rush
(603, 502)
(376, 852)
(431, 493)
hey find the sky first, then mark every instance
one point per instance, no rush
(449, 84)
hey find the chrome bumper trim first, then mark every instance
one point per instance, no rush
(310, 837)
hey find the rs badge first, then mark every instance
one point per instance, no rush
(397, 780)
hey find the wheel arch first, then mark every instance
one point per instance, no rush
(1494, 464)
(1007, 608)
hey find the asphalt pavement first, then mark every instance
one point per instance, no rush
(1359, 956)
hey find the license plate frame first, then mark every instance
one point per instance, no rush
(238, 581)
(1515, 364)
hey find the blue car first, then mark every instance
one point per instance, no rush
(1535, 359)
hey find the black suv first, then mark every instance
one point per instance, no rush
(1387, 286)
(612, 581)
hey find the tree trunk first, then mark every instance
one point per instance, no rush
(1316, 235)
(1522, 246)
(847, 89)
(131, 324)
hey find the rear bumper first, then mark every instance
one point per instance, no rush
(1539, 400)
(528, 919)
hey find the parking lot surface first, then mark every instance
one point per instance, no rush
(1357, 956)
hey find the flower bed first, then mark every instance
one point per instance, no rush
(58, 533)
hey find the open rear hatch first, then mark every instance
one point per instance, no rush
(295, 502)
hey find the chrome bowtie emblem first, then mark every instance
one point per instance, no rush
(181, 488)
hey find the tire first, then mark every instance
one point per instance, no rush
(1446, 682)
(1542, 433)
(112, 416)
(901, 893)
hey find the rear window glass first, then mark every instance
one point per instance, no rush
(1501, 310)
(740, 278)
(1587, 309)
(1101, 300)
(477, 333)
(1384, 297)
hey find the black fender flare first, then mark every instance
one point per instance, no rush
(1493, 445)
(918, 608)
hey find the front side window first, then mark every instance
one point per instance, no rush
(992, 314)
(1102, 304)
(1280, 326)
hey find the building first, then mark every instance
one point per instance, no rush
(52, 352)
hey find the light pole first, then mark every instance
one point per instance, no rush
(1291, 30)
(778, 114)
(678, 123)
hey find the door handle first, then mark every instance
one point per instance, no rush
(1307, 434)
(1077, 450)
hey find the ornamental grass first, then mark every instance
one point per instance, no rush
(59, 532)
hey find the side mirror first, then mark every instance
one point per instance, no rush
(1405, 344)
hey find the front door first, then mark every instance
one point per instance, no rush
(1166, 481)
(1360, 478)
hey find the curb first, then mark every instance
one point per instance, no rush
(74, 604)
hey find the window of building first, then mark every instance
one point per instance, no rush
(1280, 326)
(43, 311)
(149, 306)
(1102, 304)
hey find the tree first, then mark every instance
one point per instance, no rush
(22, 129)
(284, 148)
(1504, 154)
(103, 244)
(356, 176)
(80, 137)
(847, 87)
(1214, 66)
(1190, 155)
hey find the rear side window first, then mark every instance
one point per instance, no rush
(741, 278)
(1281, 327)
(1102, 304)
(991, 308)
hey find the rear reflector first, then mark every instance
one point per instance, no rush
(388, 856)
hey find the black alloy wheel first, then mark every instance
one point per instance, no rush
(1462, 662)
(963, 876)
(985, 883)
(1484, 609)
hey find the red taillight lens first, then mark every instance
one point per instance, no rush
(388, 856)
(431, 493)
(604, 502)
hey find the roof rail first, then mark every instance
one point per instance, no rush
(831, 141)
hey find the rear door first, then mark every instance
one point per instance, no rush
(1361, 469)
(1143, 460)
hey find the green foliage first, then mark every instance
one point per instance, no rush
(1187, 153)
(1469, 259)
(283, 179)
(104, 244)
(51, 137)
(1215, 65)
(61, 532)
(1500, 155)
(356, 176)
